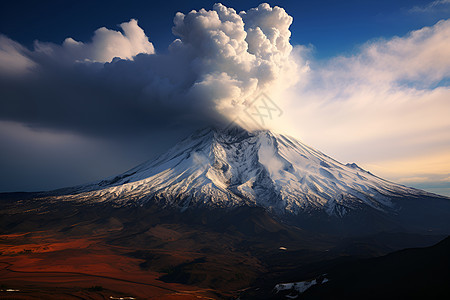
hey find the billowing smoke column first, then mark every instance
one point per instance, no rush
(220, 61)
(234, 57)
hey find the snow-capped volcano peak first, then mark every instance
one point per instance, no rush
(234, 167)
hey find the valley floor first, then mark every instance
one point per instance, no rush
(38, 266)
(79, 251)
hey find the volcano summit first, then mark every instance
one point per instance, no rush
(230, 168)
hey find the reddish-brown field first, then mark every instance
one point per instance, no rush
(44, 266)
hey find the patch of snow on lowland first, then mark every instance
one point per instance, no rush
(300, 286)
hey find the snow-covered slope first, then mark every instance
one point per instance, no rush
(228, 168)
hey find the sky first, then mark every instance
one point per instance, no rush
(90, 89)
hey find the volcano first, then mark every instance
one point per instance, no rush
(230, 168)
(224, 213)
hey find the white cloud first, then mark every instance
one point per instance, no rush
(13, 57)
(235, 56)
(386, 102)
(434, 6)
(106, 44)
(421, 58)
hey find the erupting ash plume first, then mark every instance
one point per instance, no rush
(220, 62)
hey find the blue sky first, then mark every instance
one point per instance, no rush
(331, 26)
(82, 122)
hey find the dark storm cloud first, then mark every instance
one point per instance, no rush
(117, 85)
(94, 99)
